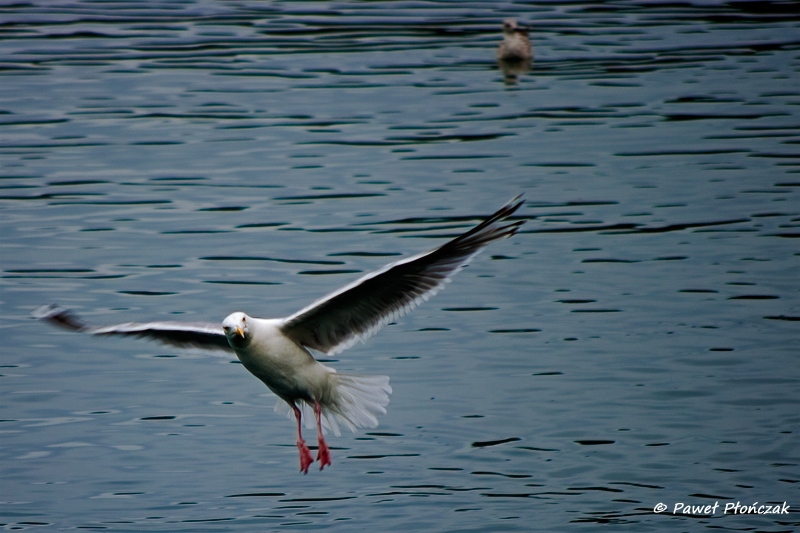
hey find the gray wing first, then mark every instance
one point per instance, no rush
(183, 334)
(358, 310)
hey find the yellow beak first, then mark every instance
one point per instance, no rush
(240, 331)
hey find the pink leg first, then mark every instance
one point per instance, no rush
(305, 454)
(323, 453)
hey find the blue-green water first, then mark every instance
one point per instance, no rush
(637, 343)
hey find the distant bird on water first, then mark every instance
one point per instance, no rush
(515, 45)
(277, 350)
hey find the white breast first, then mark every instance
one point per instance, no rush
(286, 368)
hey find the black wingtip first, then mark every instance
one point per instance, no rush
(503, 214)
(511, 207)
(516, 202)
(507, 210)
(60, 317)
(493, 228)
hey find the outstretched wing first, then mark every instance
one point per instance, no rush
(358, 310)
(182, 334)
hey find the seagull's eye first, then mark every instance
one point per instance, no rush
(242, 320)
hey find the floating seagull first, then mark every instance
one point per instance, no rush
(515, 45)
(277, 350)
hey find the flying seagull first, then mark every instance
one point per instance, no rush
(278, 350)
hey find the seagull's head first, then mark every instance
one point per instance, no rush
(237, 329)
(509, 26)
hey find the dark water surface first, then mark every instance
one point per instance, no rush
(636, 344)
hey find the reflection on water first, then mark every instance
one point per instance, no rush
(636, 344)
(513, 69)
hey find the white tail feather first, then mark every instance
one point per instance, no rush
(357, 402)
